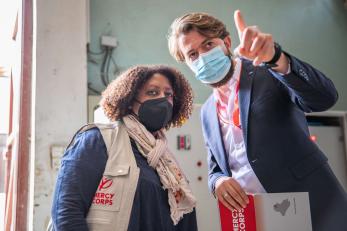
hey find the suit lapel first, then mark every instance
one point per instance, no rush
(214, 136)
(245, 89)
(211, 122)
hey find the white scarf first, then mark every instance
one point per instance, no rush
(181, 199)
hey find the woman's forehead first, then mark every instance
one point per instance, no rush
(159, 80)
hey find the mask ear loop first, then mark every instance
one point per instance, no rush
(230, 56)
(137, 101)
(131, 108)
(230, 53)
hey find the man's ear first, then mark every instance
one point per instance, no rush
(227, 42)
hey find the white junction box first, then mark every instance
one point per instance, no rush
(109, 41)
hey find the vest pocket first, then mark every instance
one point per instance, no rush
(110, 191)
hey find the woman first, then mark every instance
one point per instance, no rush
(122, 176)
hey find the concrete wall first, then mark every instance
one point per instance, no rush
(4, 118)
(3, 138)
(314, 31)
(60, 97)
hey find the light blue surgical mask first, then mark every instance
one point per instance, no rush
(211, 66)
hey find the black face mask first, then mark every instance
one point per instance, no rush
(155, 114)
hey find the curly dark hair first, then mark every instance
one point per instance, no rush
(120, 93)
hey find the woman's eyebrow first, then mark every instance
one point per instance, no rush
(152, 85)
(156, 86)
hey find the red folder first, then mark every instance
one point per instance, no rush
(238, 220)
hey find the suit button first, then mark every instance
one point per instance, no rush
(303, 74)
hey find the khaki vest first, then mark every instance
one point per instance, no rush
(113, 199)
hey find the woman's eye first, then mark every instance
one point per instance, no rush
(168, 94)
(152, 92)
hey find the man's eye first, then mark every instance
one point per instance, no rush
(209, 44)
(193, 56)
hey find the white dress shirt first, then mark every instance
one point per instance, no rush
(233, 140)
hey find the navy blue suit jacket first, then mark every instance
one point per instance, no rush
(276, 134)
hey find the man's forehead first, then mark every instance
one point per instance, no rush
(190, 40)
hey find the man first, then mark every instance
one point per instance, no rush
(254, 124)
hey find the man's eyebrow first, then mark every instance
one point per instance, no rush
(202, 43)
(205, 41)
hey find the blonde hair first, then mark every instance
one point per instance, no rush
(203, 23)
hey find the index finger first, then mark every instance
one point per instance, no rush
(240, 191)
(239, 23)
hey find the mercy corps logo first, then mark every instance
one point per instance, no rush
(102, 198)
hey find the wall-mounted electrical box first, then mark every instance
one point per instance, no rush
(329, 131)
(109, 41)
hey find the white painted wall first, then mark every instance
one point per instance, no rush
(60, 91)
